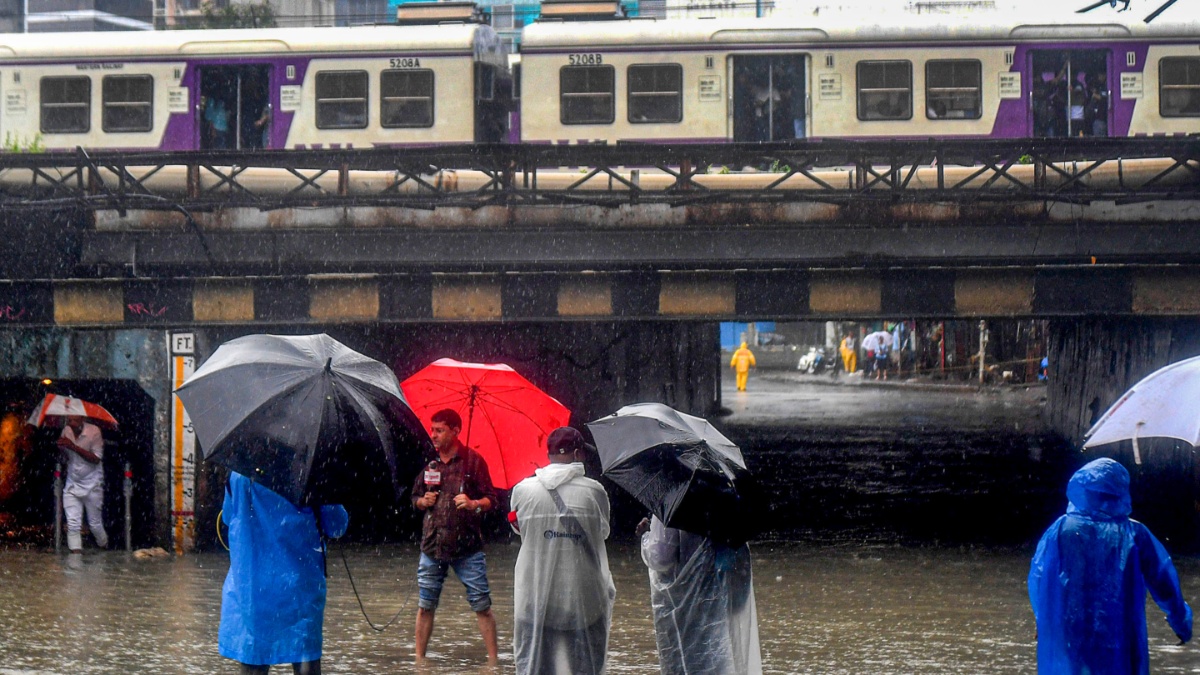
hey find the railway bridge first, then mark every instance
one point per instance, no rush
(599, 271)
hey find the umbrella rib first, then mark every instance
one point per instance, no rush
(510, 408)
(452, 397)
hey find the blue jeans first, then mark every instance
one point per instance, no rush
(471, 571)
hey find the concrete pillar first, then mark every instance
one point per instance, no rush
(1093, 361)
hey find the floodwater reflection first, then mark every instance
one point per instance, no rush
(822, 609)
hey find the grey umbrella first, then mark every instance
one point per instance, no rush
(304, 415)
(681, 469)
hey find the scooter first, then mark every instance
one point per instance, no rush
(815, 361)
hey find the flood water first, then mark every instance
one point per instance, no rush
(901, 527)
(822, 609)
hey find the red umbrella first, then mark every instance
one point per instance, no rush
(55, 408)
(506, 419)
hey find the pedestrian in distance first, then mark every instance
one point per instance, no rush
(849, 353)
(1089, 577)
(563, 590)
(702, 598)
(454, 490)
(83, 444)
(273, 601)
(743, 361)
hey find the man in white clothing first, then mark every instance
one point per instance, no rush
(83, 446)
(563, 589)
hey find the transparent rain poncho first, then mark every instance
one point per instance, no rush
(563, 589)
(702, 595)
(1089, 577)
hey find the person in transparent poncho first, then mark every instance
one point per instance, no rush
(563, 591)
(702, 596)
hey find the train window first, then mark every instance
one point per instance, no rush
(128, 103)
(587, 94)
(406, 98)
(516, 81)
(953, 90)
(655, 93)
(1179, 87)
(66, 105)
(342, 99)
(884, 90)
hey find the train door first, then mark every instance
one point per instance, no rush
(1070, 92)
(235, 107)
(769, 98)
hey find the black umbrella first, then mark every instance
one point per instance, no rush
(680, 468)
(305, 416)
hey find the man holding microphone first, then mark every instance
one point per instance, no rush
(454, 490)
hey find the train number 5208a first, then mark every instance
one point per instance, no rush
(584, 59)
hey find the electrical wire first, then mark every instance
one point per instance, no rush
(363, 609)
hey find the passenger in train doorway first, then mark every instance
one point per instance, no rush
(1096, 112)
(216, 118)
(83, 444)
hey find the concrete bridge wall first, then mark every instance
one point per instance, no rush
(593, 368)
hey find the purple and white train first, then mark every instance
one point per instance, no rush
(265, 88)
(613, 80)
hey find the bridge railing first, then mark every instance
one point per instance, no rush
(474, 176)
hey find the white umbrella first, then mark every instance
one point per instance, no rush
(873, 341)
(1159, 406)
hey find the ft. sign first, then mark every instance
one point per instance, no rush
(183, 343)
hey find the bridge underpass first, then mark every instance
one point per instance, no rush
(603, 296)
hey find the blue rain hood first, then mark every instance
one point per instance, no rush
(1089, 578)
(1100, 490)
(273, 602)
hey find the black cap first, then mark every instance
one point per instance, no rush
(566, 439)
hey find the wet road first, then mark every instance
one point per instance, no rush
(847, 609)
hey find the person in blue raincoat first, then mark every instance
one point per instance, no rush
(1089, 578)
(273, 603)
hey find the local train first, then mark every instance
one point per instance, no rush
(615, 80)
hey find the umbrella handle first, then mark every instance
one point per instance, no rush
(321, 532)
(1137, 452)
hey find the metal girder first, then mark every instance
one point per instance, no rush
(940, 245)
(822, 171)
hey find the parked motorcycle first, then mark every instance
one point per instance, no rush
(815, 361)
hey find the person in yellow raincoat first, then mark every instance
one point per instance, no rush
(743, 360)
(849, 353)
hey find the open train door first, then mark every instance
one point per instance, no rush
(768, 97)
(1070, 92)
(235, 107)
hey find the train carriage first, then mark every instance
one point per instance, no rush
(838, 77)
(262, 88)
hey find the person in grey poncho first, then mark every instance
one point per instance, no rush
(562, 586)
(702, 596)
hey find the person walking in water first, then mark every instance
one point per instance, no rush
(1089, 577)
(83, 444)
(743, 361)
